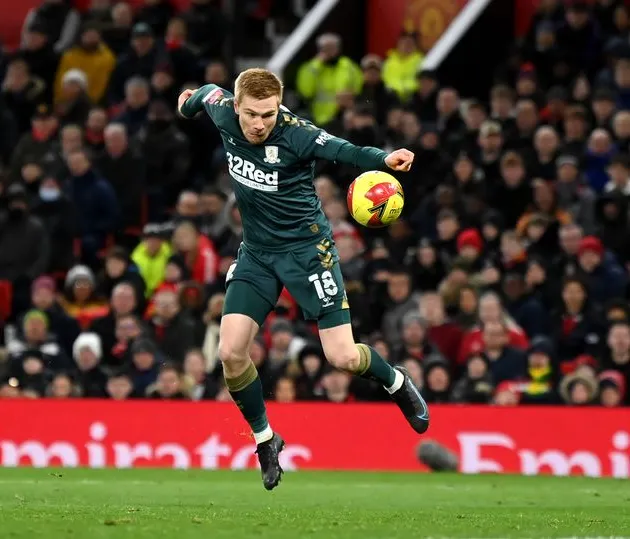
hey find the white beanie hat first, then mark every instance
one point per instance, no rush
(75, 75)
(79, 272)
(87, 340)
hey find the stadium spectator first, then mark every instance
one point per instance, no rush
(207, 28)
(124, 167)
(505, 282)
(22, 92)
(56, 212)
(44, 299)
(87, 354)
(201, 385)
(322, 79)
(97, 208)
(144, 366)
(123, 302)
(89, 56)
(58, 20)
(401, 65)
(138, 61)
(119, 386)
(168, 384)
(24, 246)
(80, 299)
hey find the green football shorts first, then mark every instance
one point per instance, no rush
(311, 274)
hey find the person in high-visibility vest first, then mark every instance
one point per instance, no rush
(402, 65)
(328, 74)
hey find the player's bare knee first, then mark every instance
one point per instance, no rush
(232, 356)
(345, 359)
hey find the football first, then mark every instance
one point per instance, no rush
(375, 199)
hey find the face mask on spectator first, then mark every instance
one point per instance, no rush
(49, 194)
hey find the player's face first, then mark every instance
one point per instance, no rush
(257, 117)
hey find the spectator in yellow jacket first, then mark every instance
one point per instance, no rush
(321, 79)
(402, 65)
(151, 256)
(91, 56)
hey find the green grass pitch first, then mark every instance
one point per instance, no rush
(138, 504)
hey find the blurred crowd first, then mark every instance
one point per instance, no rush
(506, 281)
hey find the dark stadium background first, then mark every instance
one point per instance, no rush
(504, 285)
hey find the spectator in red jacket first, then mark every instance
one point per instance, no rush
(198, 250)
(491, 310)
(443, 333)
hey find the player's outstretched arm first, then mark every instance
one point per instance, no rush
(190, 102)
(366, 157)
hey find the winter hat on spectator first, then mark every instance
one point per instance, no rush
(446, 214)
(470, 238)
(16, 192)
(567, 159)
(604, 93)
(567, 367)
(281, 324)
(435, 360)
(152, 230)
(541, 345)
(191, 294)
(510, 386)
(43, 112)
(591, 243)
(44, 282)
(141, 29)
(77, 76)
(371, 61)
(412, 317)
(581, 376)
(527, 71)
(494, 218)
(614, 379)
(89, 340)
(79, 272)
(622, 160)
(142, 346)
(119, 253)
(36, 314)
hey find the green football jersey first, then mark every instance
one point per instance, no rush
(273, 181)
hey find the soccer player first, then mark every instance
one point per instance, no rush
(287, 241)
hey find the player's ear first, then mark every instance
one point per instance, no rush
(235, 106)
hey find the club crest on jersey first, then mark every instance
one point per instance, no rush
(271, 155)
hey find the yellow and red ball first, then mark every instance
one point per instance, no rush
(375, 199)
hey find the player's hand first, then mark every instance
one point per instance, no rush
(400, 160)
(183, 97)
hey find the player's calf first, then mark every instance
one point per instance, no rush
(365, 361)
(241, 376)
